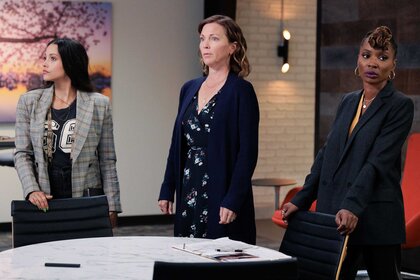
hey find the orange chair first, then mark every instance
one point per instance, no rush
(277, 216)
(411, 192)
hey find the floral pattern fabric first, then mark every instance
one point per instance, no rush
(196, 128)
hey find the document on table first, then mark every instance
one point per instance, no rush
(225, 249)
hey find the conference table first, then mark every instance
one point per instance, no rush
(128, 257)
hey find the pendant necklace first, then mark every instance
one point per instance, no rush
(366, 102)
(212, 88)
(55, 111)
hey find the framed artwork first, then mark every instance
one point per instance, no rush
(26, 26)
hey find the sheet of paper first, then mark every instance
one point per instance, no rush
(225, 249)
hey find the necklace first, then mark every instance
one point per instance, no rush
(215, 85)
(55, 111)
(213, 90)
(59, 115)
(62, 100)
(366, 102)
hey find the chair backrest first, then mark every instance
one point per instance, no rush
(285, 269)
(6, 158)
(66, 219)
(313, 239)
(411, 188)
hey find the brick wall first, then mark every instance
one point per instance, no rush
(287, 101)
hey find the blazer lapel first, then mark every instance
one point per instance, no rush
(348, 119)
(373, 108)
(369, 114)
(84, 113)
(39, 117)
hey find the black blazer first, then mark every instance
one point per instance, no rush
(232, 155)
(362, 173)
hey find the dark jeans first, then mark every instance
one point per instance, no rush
(382, 262)
(60, 181)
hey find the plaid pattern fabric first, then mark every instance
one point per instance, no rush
(93, 154)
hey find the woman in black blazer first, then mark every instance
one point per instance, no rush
(215, 142)
(356, 175)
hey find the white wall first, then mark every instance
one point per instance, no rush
(155, 52)
(155, 47)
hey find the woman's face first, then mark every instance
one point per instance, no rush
(215, 47)
(375, 65)
(52, 67)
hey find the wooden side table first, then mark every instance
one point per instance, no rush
(277, 183)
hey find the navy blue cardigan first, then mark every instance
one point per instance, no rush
(232, 156)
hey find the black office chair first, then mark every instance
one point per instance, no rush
(66, 219)
(6, 158)
(313, 239)
(285, 269)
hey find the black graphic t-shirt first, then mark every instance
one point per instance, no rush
(63, 126)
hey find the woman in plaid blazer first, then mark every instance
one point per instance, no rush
(64, 133)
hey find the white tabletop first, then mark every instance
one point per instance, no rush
(100, 258)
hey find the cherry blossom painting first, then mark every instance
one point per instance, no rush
(26, 26)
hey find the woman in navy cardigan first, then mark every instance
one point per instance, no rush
(356, 175)
(214, 146)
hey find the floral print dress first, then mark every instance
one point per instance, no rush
(194, 198)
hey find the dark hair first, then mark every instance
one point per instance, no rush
(381, 38)
(238, 61)
(75, 63)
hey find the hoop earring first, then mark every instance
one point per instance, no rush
(356, 71)
(391, 75)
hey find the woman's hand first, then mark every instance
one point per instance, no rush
(113, 217)
(166, 206)
(346, 221)
(40, 200)
(288, 209)
(226, 216)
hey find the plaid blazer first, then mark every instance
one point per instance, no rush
(93, 153)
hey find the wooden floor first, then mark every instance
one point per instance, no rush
(269, 232)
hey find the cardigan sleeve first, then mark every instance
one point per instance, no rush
(246, 159)
(167, 190)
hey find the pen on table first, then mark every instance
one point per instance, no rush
(236, 250)
(183, 246)
(63, 264)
